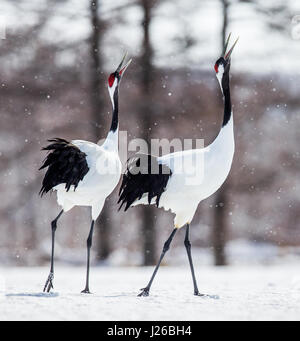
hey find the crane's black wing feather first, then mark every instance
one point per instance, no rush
(66, 165)
(144, 175)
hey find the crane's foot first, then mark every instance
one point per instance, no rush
(49, 283)
(197, 293)
(144, 293)
(86, 291)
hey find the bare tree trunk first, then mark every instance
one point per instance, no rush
(225, 22)
(30, 215)
(148, 229)
(219, 233)
(97, 104)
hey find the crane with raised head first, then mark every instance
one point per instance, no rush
(84, 173)
(169, 186)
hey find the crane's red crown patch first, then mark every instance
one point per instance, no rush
(111, 80)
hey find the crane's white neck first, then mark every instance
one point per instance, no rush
(111, 142)
(113, 90)
(225, 138)
(219, 76)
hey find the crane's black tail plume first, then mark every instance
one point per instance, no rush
(144, 176)
(66, 165)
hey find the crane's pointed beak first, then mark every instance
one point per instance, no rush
(124, 67)
(121, 68)
(226, 44)
(228, 54)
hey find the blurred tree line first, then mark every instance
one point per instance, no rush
(55, 88)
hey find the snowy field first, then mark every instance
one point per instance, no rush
(238, 293)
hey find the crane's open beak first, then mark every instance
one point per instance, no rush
(228, 54)
(121, 68)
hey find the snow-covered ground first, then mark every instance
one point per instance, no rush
(238, 293)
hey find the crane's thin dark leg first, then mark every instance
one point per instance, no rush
(188, 247)
(89, 245)
(145, 291)
(49, 283)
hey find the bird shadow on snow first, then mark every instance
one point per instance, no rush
(158, 296)
(122, 294)
(33, 294)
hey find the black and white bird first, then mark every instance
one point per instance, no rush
(84, 173)
(170, 185)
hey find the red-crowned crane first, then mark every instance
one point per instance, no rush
(84, 173)
(170, 187)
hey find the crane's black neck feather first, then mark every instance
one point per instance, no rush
(115, 115)
(227, 99)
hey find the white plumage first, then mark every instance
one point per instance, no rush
(102, 178)
(184, 191)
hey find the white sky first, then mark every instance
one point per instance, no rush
(259, 49)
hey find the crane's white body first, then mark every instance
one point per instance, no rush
(182, 195)
(103, 176)
(103, 161)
